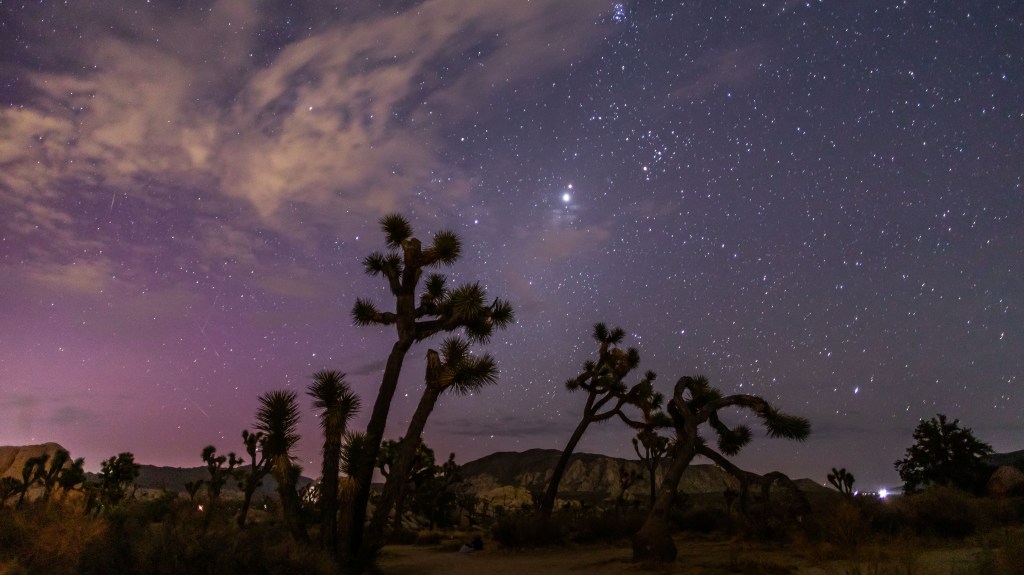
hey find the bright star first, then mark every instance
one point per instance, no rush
(566, 197)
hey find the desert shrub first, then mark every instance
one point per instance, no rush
(941, 511)
(525, 530)
(45, 538)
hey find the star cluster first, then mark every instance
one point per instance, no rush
(819, 203)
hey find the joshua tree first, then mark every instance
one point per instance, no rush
(695, 403)
(259, 467)
(117, 477)
(606, 397)
(842, 480)
(9, 487)
(454, 369)
(71, 475)
(437, 310)
(277, 417)
(32, 473)
(192, 488)
(649, 446)
(219, 474)
(332, 394)
(651, 449)
(945, 454)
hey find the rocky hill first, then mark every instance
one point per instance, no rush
(509, 478)
(13, 457)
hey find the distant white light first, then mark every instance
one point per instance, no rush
(566, 197)
(883, 493)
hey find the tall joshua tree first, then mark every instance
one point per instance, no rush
(453, 369)
(331, 394)
(606, 397)
(695, 403)
(437, 310)
(278, 417)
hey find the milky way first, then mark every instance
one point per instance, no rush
(820, 203)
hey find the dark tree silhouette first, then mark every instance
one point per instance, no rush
(422, 467)
(278, 417)
(331, 394)
(71, 475)
(842, 480)
(117, 477)
(51, 476)
(219, 474)
(454, 369)
(944, 454)
(33, 472)
(252, 478)
(606, 397)
(695, 403)
(649, 446)
(9, 487)
(438, 310)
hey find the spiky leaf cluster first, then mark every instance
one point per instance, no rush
(439, 307)
(278, 418)
(696, 402)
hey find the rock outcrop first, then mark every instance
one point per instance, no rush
(13, 457)
(508, 478)
(1006, 482)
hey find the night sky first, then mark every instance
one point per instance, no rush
(817, 202)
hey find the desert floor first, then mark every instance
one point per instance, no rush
(695, 556)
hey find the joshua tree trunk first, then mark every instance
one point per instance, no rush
(654, 483)
(394, 487)
(654, 539)
(375, 428)
(329, 493)
(547, 504)
(291, 508)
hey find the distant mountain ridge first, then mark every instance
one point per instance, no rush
(513, 477)
(510, 477)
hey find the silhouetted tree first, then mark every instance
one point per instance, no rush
(278, 418)
(71, 475)
(416, 474)
(649, 446)
(192, 488)
(117, 477)
(9, 487)
(606, 397)
(219, 474)
(31, 473)
(453, 369)
(695, 403)
(50, 477)
(944, 454)
(331, 394)
(437, 310)
(252, 478)
(842, 480)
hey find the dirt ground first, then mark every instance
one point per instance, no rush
(699, 557)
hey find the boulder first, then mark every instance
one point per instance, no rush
(1006, 482)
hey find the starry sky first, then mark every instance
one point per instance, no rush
(817, 202)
